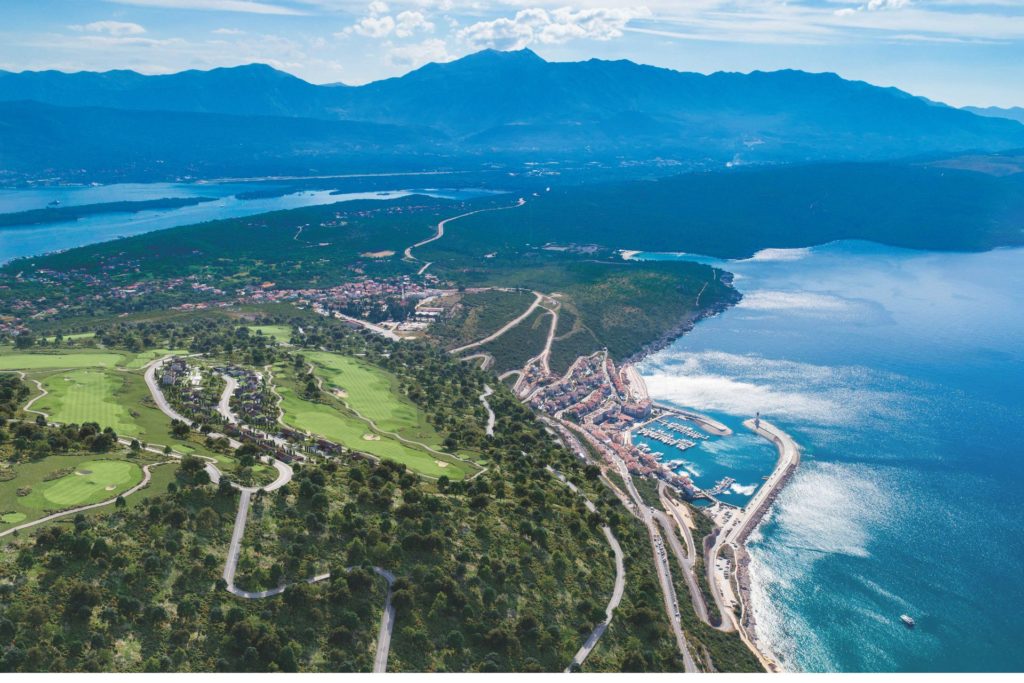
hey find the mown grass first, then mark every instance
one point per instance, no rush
(335, 424)
(373, 393)
(86, 358)
(87, 395)
(281, 333)
(91, 482)
(67, 491)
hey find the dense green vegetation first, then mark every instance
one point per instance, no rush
(507, 571)
(477, 315)
(734, 214)
(58, 214)
(524, 341)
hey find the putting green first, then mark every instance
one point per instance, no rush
(281, 333)
(13, 517)
(79, 396)
(91, 482)
(332, 424)
(41, 361)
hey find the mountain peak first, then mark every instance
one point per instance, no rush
(490, 55)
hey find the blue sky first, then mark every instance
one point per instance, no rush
(957, 51)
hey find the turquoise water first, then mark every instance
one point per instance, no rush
(40, 239)
(901, 374)
(742, 456)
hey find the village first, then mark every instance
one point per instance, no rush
(608, 404)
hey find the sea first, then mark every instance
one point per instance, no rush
(33, 240)
(901, 375)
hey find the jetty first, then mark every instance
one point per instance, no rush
(732, 537)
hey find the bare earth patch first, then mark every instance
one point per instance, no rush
(377, 254)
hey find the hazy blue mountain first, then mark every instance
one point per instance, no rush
(1012, 113)
(515, 103)
(113, 142)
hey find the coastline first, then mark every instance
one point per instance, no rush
(733, 538)
(754, 512)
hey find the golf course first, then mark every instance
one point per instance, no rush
(330, 419)
(373, 393)
(60, 482)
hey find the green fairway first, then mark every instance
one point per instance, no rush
(281, 333)
(373, 393)
(350, 431)
(91, 481)
(79, 396)
(141, 359)
(13, 517)
(42, 361)
(73, 336)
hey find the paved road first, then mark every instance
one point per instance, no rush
(165, 407)
(685, 564)
(735, 532)
(439, 233)
(505, 328)
(387, 625)
(376, 329)
(235, 548)
(490, 413)
(146, 476)
(661, 565)
(620, 576)
(224, 406)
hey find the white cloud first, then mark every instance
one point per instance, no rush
(408, 23)
(373, 27)
(418, 54)
(228, 32)
(874, 5)
(537, 25)
(113, 28)
(248, 6)
(377, 24)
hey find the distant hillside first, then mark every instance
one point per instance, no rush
(515, 103)
(1012, 113)
(736, 213)
(107, 143)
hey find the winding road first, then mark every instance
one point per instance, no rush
(490, 413)
(439, 233)
(505, 328)
(620, 577)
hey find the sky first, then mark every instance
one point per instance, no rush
(962, 52)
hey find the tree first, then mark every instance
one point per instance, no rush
(24, 341)
(120, 502)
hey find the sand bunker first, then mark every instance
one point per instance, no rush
(110, 488)
(441, 463)
(83, 473)
(371, 437)
(340, 393)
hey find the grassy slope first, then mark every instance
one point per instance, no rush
(373, 393)
(480, 314)
(330, 420)
(68, 491)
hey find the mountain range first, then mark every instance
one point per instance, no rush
(488, 104)
(1012, 113)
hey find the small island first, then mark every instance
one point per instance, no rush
(60, 214)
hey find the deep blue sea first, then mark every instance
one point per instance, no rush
(901, 374)
(39, 239)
